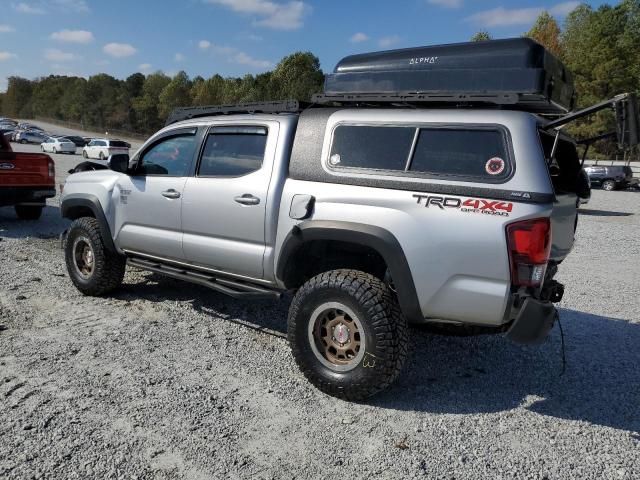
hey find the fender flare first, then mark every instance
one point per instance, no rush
(75, 201)
(377, 238)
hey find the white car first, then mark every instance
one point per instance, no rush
(102, 148)
(58, 145)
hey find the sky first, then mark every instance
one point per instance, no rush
(235, 37)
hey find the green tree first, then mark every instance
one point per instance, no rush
(17, 99)
(297, 76)
(175, 94)
(208, 92)
(546, 32)
(602, 50)
(146, 106)
(481, 36)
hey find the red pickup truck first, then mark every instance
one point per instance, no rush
(26, 180)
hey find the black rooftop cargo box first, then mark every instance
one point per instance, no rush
(515, 73)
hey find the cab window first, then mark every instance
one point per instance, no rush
(171, 156)
(233, 151)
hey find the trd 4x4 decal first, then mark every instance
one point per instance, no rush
(468, 205)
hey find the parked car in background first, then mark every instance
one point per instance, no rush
(611, 177)
(31, 136)
(102, 148)
(26, 180)
(77, 140)
(29, 126)
(58, 145)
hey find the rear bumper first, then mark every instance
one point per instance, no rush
(25, 195)
(536, 316)
(533, 323)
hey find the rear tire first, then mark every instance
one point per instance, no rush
(93, 269)
(359, 310)
(28, 212)
(101, 156)
(609, 185)
(84, 154)
(23, 142)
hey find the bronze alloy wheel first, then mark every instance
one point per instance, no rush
(83, 257)
(336, 336)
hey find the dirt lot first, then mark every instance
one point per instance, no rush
(170, 380)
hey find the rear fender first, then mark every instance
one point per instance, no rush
(379, 239)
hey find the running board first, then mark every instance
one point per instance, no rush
(233, 288)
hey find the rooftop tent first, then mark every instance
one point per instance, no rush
(515, 73)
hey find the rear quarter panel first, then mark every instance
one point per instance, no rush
(458, 259)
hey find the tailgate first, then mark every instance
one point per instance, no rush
(19, 169)
(568, 182)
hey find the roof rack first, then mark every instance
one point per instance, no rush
(280, 106)
(513, 101)
(416, 97)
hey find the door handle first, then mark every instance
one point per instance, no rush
(171, 193)
(247, 199)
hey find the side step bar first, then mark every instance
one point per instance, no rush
(233, 288)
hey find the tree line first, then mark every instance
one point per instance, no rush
(601, 47)
(142, 103)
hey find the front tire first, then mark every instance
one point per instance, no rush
(93, 269)
(347, 334)
(84, 154)
(609, 185)
(28, 212)
(101, 156)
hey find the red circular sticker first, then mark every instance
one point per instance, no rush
(495, 166)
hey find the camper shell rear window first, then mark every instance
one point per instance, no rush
(461, 152)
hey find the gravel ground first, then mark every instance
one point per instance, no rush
(169, 380)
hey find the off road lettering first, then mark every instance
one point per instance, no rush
(470, 205)
(440, 202)
(488, 205)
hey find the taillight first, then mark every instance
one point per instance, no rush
(52, 170)
(529, 248)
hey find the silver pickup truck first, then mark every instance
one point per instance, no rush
(375, 217)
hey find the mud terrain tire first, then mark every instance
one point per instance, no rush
(93, 269)
(325, 305)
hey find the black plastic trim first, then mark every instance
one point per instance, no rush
(379, 239)
(91, 202)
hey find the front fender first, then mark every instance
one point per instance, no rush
(75, 205)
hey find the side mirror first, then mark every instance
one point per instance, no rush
(628, 122)
(119, 162)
